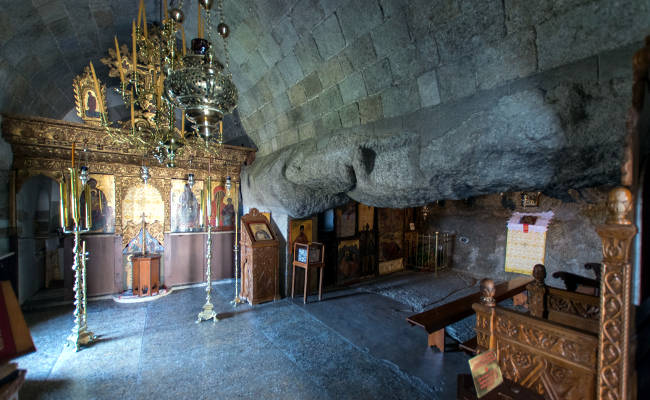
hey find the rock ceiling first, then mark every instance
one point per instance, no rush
(418, 98)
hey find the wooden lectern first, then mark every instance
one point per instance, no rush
(259, 257)
(146, 274)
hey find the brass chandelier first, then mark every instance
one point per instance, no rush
(157, 78)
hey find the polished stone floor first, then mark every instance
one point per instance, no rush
(355, 344)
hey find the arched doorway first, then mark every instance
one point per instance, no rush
(40, 248)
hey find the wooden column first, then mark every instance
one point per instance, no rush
(614, 373)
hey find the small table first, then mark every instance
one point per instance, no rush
(146, 274)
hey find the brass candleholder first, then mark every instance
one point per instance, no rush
(208, 309)
(80, 335)
(237, 300)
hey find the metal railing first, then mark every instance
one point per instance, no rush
(430, 252)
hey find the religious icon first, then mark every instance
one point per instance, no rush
(223, 208)
(260, 232)
(90, 108)
(346, 220)
(185, 215)
(301, 231)
(368, 250)
(102, 197)
(348, 260)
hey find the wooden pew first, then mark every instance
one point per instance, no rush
(436, 319)
(550, 358)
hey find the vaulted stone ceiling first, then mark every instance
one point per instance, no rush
(391, 102)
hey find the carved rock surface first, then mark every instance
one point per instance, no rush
(570, 136)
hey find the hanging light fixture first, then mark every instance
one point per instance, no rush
(156, 78)
(201, 85)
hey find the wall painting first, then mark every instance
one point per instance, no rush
(348, 260)
(223, 207)
(185, 206)
(346, 220)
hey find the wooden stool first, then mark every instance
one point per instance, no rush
(146, 274)
(308, 255)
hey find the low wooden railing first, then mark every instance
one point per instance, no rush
(576, 310)
(550, 358)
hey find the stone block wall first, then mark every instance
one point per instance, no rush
(313, 68)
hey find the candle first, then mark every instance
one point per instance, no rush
(119, 60)
(73, 196)
(72, 154)
(97, 92)
(140, 12)
(62, 203)
(87, 198)
(183, 125)
(135, 53)
(208, 200)
(144, 19)
(132, 112)
(199, 34)
(202, 211)
(183, 32)
(165, 8)
(83, 251)
(220, 127)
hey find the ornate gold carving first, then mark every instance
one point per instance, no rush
(619, 205)
(615, 309)
(551, 339)
(573, 306)
(487, 292)
(537, 292)
(43, 138)
(551, 379)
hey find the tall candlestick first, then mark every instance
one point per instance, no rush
(119, 60)
(72, 154)
(97, 92)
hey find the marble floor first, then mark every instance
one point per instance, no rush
(355, 344)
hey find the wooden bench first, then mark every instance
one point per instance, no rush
(435, 320)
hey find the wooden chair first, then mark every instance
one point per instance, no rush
(308, 256)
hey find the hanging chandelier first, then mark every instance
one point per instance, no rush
(202, 86)
(157, 78)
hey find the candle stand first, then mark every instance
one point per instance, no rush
(80, 335)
